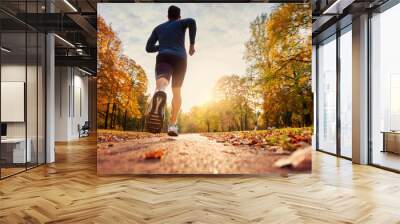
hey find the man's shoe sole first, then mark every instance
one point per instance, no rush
(154, 123)
(155, 118)
(171, 133)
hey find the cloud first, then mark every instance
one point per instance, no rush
(222, 31)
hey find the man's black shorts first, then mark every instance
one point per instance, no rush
(168, 65)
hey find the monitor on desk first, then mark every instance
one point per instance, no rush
(3, 130)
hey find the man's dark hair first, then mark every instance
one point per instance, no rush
(174, 12)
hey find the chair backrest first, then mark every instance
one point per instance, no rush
(86, 125)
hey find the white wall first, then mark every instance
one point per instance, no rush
(71, 94)
(33, 126)
(62, 81)
(14, 73)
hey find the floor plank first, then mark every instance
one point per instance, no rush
(69, 191)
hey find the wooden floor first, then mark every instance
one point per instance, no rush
(69, 191)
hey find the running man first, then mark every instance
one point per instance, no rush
(170, 63)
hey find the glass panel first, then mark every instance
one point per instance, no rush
(346, 94)
(23, 89)
(41, 98)
(13, 87)
(31, 98)
(385, 84)
(327, 96)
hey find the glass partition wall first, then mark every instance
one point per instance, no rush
(385, 89)
(334, 93)
(22, 77)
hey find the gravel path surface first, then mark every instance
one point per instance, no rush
(186, 154)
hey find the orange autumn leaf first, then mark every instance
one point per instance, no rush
(154, 154)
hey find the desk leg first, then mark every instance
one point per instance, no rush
(384, 142)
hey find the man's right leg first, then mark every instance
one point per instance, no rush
(176, 104)
(155, 116)
(177, 81)
(161, 83)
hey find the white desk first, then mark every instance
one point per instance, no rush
(18, 149)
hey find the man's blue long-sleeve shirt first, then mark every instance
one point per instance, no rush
(171, 37)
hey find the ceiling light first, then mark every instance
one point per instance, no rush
(70, 5)
(5, 50)
(79, 51)
(84, 71)
(338, 6)
(64, 40)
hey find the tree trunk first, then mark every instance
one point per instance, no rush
(125, 114)
(287, 119)
(115, 117)
(112, 116)
(307, 117)
(266, 125)
(142, 122)
(106, 118)
(245, 121)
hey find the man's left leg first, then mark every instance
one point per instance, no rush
(177, 81)
(176, 104)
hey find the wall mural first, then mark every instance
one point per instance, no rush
(204, 88)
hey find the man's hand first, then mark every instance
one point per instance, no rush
(191, 50)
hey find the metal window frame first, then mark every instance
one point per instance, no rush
(387, 5)
(317, 75)
(339, 32)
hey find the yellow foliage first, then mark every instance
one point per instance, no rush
(121, 82)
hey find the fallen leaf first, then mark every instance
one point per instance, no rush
(229, 152)
(154, 154)
(299, 160)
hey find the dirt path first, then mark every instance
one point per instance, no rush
(186, 154)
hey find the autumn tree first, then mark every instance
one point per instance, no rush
(108, 50)
(279, 54)
(233, 90)
(121, 85)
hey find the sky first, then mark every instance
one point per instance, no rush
(222, 31)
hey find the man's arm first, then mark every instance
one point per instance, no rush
(191, 24)
(151, 43)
